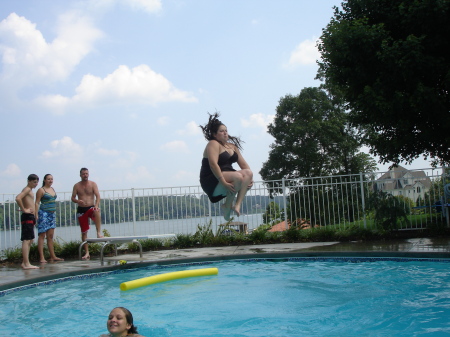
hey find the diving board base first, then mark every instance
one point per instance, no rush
(115, 240)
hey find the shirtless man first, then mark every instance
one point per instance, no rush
(86, 195)
(25, 200)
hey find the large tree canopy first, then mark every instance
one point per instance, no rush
(390, 60)
(313, 138)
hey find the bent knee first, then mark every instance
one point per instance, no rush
(247, 173)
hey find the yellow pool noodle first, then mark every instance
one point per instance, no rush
(167, 277)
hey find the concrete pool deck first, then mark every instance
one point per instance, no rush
(12, 276)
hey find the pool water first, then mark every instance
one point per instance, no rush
(289, 297)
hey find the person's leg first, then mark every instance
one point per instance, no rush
(51, 246)
(236, 178)
(26, 244)
(83, 220)
(247, 176)
(98, 223)
(86, 246)
(41, 239)
(227, 205)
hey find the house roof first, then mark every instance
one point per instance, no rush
(394, 173)
(279, 227)
(392, 178)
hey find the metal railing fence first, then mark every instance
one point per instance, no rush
(337, 201)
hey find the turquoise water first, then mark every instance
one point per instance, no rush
(321, 297)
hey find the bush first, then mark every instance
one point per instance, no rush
(184, 241)
(204, 234)
(258, 236)
(13, 254)
(292, 234)
(151, 244)
(322, 234)
(390, 211)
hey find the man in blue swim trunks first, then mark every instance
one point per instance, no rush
(85, 193)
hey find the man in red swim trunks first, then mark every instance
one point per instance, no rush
(86, 195)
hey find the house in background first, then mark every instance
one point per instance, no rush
(401, 181)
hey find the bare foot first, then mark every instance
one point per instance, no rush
(28, 266)
(237, 210)
(43, 261)
(226, 212)
(56, 259)
(86, 257)
(99, 235)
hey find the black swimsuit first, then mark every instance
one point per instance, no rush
(209, 181)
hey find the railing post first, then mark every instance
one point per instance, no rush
(363, 202)
(133, 201)
(283, 184)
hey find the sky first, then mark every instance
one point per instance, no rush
(121, 86)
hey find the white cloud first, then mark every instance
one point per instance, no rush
(108, 153)
(123, 160)
(191, 129)
(164, 120)
(150, 6)
(177, 146)
(55, 103)
(12, 170)
(185, 176)
(305, 53)
(64, 148)
(257, 121)
(137, 85)
(140, 175)
(28, 58)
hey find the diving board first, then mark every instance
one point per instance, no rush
(115, 240)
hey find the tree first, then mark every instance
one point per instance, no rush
(313, 138)
(390, 211)
(273, 214)
(390, 61)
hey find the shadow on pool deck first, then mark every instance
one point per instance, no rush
(14, 276)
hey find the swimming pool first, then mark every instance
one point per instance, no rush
(270, 297)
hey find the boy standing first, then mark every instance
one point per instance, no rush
(25, 200)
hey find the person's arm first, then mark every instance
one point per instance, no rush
(74, 195)
(213, 152)
(19, 200)
(97, 196)
(241, 161)
(39, 195)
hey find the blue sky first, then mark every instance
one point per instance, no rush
(120, 86)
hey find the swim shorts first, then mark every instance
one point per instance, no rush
(28, 221)
(83, 215)
(46, 221)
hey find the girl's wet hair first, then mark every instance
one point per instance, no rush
(211, 128)
(129, 318)
(45, 177)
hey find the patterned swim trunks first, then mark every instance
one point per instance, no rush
(46, 221)
(83, 215)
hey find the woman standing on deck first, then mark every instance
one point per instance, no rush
(46, 218)
(218, 178)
